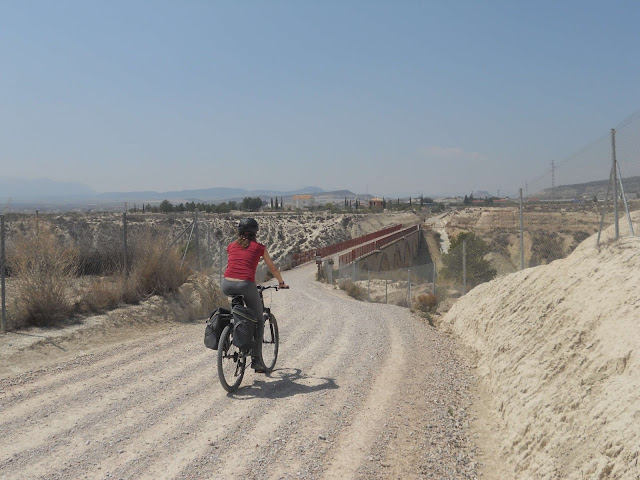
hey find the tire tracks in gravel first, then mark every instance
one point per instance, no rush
(250, 428)
(153, 408)
(100, 375)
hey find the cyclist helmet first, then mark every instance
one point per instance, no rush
(247, 226)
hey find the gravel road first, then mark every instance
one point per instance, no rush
(360, 391)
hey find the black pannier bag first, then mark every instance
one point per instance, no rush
(244, 324)
(220, 318)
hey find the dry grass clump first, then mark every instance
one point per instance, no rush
(43, 270)
(156, 268)
(353, 290)
(102, 294)
(426, 302)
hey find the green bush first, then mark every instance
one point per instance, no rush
(479, 270)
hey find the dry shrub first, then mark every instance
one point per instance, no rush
(426, 302)
(43, 270)
(156, 268)
(353, 290)
(102, 294)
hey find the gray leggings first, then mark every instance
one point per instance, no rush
(252, 300)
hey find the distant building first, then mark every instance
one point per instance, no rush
(302, 201)
(376, 203)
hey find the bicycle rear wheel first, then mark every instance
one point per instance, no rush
(270, 342)
(231, 361)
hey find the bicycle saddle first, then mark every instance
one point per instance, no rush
(237, 300)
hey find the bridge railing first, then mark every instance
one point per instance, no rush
(363, 250)
(309, 255)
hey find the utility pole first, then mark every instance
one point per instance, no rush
(614, 167)
(521, 234)
(3, 313)
(553, 179)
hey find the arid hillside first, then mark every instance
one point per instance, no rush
(101, 234)
(558, 349)
(550, 231)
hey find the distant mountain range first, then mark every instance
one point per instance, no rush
(20, 190)
(49, 194)
(590, 189)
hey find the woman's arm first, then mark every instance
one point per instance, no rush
(273, 269)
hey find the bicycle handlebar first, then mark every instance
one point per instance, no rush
(262, 288)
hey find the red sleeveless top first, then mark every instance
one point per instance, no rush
(242, 263)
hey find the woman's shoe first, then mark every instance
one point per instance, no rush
(258, 366)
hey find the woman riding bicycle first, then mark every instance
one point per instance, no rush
(244, 254)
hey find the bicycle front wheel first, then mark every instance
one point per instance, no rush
(270, 342)
(231, 361)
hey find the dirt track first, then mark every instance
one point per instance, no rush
(360, 391)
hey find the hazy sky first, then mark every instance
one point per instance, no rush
(377, 96)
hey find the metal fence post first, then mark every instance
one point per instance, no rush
(196, 232)
(521, 233)
(124, 243)
(386, 287)
(464, 267)
(615, 183)
(409, 287)
(354, 271)
(209, 262)
(2, 274)
(369, 285)
(220, 260)
(434, 278)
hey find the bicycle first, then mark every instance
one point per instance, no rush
(232, 361)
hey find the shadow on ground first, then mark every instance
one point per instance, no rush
(282, 383)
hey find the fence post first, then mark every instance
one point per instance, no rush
(521, 233)
(196, 232)
(220, 260)
(2, 279)
(386, 286)
(464, 267)
(209, 262)
(409, 287)
(434, 278)
(368, 285)
(354, 271)
(124, 243)
(615, 183)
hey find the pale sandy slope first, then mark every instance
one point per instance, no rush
(360, 391)
(559, 350)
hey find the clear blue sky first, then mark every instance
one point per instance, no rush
(384, 96)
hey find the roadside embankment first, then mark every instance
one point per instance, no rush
(558, 348)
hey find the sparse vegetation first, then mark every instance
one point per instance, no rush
(43, 271)
(546, 247)
(156, 268)
(353, 290)
(478, 271)
(426, 302)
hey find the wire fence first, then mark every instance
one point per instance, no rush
(92, 260)
(53, 267)
(575, 199)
